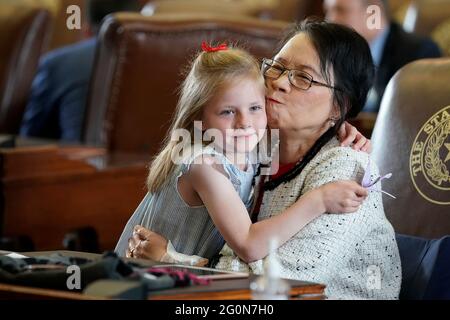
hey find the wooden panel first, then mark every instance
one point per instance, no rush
(13, 292)
(50, 190)
(303, 292)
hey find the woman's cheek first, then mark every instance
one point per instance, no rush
(272, 118)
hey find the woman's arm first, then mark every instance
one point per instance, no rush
(337, 197)
(250, 241)
(146, 244)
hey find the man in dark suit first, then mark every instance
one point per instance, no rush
(391, 46)
(58, 98)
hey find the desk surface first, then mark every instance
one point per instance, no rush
(225, 289)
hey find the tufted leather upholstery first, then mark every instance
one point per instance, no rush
(138, 70)
(412, 140)
(23, 36)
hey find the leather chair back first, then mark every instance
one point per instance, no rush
(441, 34)
(218, 7)
(411, 139)
(286, 10)
(423, 16)
(23, 37)
(138, 70)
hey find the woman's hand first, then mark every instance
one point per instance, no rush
(348, 134)
(344, 196)
(146, 244)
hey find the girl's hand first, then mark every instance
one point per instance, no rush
(348, 134)
(344, 196)
(146, 244)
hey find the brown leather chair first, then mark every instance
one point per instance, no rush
(423, 16)
(441, 34)
(249, 8)
(23, 36)
(286, 10)
(398, 9)
(296, 10)
(138, 70)
(411, 139)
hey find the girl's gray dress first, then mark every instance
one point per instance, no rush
(190, 229)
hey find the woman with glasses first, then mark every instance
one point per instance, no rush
(319, 78)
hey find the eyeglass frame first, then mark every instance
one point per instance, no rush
(290, 73)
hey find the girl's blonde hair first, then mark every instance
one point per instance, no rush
(209, 72)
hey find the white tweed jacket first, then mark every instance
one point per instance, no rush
(354, 255)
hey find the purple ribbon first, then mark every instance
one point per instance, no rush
(371, 185)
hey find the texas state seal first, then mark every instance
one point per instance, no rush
(429, 162)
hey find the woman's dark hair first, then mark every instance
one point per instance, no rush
(346, 55)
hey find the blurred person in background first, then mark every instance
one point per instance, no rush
(58, 97)
(390, 45)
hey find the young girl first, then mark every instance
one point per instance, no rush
(206, 199)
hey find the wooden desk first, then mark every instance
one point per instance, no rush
(47, 190)
(214, 292)
(231, 289)
(237, 289)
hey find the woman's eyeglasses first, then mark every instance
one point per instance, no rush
(299, 79)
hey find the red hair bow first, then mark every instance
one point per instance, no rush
(207, 48)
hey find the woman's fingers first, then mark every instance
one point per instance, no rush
(139, 246)
(132, 242)
(341, 132)
(348, 209)
(367, 147)
(351, 133)
(360, 141)
(128, 253)
(353, 198)
(361, 192)
(131, 247)
(146, 244)
(354, 190)
(141, 232)
(202, 262)
(350, 203)
(352, 209)
(348, 134)
(134, 247)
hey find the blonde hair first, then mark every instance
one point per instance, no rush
(209, 72)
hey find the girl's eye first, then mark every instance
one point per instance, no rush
(255, 108)
(226, 112)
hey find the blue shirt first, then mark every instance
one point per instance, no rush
(376, 49)
(58, 97)
(377, 46)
